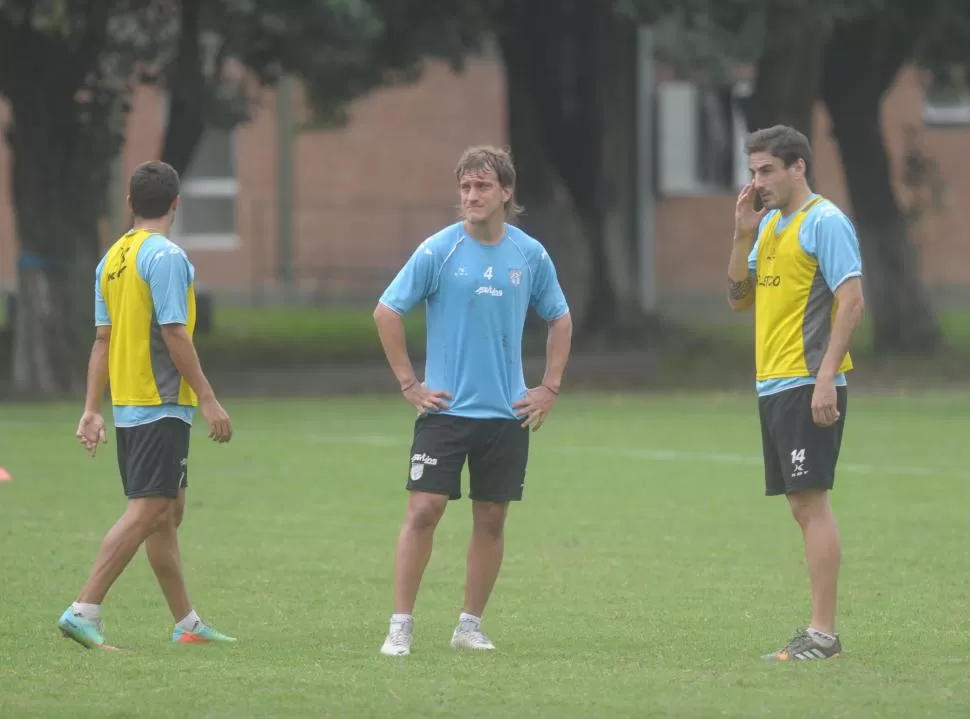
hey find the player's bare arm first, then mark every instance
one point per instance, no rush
(558, 344)
(390, 329)
(741, 284)
(90, 430)
(741, 290)
(186, 360)
(848, 317)
(539, 401)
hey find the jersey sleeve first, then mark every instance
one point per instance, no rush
(547, 298)
(169, 275)
(832, 241)
(413, 282)
(101, 316)
(753, 255)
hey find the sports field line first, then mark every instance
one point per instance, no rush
(665, 455)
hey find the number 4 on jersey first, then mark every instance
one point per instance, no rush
(488, 273)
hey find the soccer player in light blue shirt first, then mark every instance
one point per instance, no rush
(477, 279)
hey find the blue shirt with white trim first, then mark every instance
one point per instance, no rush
(477, 297)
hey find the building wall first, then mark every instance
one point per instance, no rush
(694, 233)
(367, 193)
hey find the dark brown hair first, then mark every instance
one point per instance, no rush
(153, 188)
(783, 142)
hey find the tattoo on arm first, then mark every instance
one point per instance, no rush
(740, 290)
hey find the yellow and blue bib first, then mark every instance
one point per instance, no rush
(136, 293)
(799, 261)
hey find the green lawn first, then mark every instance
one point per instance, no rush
(280, 337)
(645, 572)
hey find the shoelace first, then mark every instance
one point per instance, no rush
(399, 639)
(800, 643)
(475, 636)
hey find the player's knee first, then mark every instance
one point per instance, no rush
(489, 517)
(177, 514)
(808, 505)
(169, 519)
(425, 510)
(149, 513)
(178, 509)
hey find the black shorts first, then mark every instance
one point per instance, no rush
(153, 458)
(799, 454)
(497, 451)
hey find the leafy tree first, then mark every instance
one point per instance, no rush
(340, 49)
(847, 55)
(67, 70)
(861, 61)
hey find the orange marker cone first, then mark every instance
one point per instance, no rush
(5, 476)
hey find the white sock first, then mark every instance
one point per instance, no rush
(91, 612)
(401, 621)
(826, 640)
(469, 622)
(189, 622)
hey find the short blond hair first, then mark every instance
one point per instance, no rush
(482, 158)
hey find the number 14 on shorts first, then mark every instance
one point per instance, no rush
(798, 463)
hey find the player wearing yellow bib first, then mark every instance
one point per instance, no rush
(145, 317)
(797, 261)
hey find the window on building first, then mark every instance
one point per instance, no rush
(947, 97)
(207, 212)
(700, 136)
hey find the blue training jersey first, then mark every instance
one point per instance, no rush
(827, 235)
(477, 297)
(168, 272)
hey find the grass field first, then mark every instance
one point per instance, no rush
(644, 573)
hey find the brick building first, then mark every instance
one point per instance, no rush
(365, 194)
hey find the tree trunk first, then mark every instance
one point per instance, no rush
(861, 61)
(788, 68)
(571, 71)
(188, 97)
(57, 228)
(549, 215)
(61, 149)
(616, 85)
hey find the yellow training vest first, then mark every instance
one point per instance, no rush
(140, 369)
(794, 307)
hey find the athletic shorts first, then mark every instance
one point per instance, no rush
(799, 454)
(153, 458)
(497, 451)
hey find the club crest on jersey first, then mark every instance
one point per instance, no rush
(515, 276)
